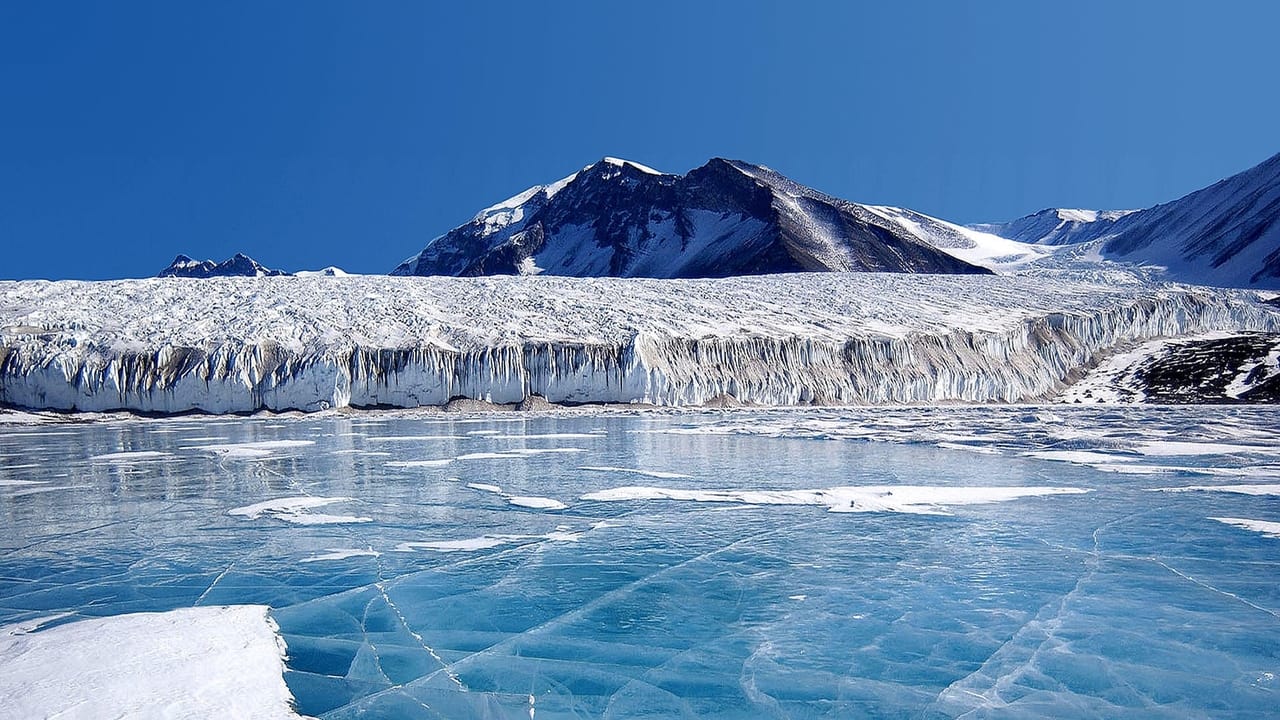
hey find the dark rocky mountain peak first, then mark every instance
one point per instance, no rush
(727, 217)
(239, 265)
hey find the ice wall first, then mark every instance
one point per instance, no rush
(51, 357)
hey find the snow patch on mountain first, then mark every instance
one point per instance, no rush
(642, 168)
(331, 271)
(1216, 367)
(967, 244)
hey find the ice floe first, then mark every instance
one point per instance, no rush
(1171, 447)
(1080, 457)
(419, 463)
(515, 453)
(296, 510)
(129, 456)
(526, 501)
(467, 544)
(484, 542)
(912, 499)
(1260, 489)
(208, 662)
(967, 447)
(660, 474)
(250, 450)
(548, 436)
(1266, 527)
(411, 438)
(536, 503)
(335, 554)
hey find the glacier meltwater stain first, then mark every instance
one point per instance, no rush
(1014, 561)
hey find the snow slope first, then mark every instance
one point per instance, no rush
(1211, 368)
(973, 246)
(242, 344)
(1227, 234)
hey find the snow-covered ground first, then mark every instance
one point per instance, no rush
(243, 344)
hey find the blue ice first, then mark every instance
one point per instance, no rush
(410, 579)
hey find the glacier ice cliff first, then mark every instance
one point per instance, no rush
(243, 344)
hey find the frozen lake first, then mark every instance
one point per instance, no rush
(904, 562)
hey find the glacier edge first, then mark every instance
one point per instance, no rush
(55, 361)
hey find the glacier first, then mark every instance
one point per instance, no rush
(225, 345)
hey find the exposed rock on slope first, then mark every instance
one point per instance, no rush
(621, 219)
(1221, 368)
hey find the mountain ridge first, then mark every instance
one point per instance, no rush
(238, 265)
(1227, 233)
(727, 217)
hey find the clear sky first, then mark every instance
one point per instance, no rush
(312, 133)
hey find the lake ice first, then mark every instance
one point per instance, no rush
(887, 562)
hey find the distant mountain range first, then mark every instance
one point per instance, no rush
(1057, 226)
(1226, 234)
(238, 265)
(622, 219)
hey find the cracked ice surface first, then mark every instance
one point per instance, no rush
(458, 599)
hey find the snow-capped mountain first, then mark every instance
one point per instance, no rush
(239, 265)
(1057, 226)
(1227, 234)
(331, 271)
(620, 218)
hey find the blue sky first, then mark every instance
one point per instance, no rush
(315, 133)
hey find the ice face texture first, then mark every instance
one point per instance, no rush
(243, 344)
